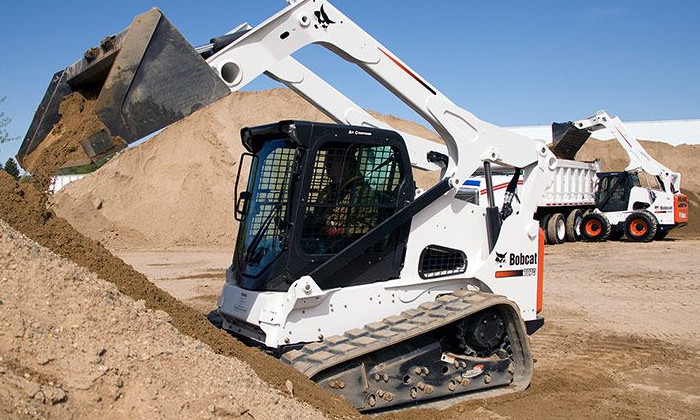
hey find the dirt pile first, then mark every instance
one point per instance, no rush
(176, 189)
(73, 346)
(61, 147)
(684, 159)
(21, 206)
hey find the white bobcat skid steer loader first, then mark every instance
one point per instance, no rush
(643, 203)
(381, 294)
(378, 292)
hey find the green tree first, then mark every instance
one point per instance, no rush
(4, 124)
(12, 168)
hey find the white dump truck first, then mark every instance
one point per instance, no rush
(642, 203)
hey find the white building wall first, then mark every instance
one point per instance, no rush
(60, 181)
(674, 132)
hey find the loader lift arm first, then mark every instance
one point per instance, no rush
(639, 158)
(470, 142)
(268, 48)
(342, 110)
(328, 99)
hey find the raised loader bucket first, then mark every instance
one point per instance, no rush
(143, 79)
(567, 140)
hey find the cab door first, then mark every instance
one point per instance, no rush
(613, 191)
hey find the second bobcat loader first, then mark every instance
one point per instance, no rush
(644, 202)
(381, 293)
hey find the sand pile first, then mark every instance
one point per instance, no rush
(177, 188)
(21, 206)
(684, 159)
(73, 346)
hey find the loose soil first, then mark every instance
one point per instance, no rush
(61, 147)
(73, 346)
(21, 206)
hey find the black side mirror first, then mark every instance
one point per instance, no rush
(242, 198)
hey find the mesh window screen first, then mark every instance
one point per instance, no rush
(353, 188)
(270, 187)
(437, 261)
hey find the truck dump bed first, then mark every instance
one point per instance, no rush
(574, 184)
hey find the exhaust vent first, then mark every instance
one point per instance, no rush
(438, 261)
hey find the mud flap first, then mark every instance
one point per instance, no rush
(145, 78)
(567, 140)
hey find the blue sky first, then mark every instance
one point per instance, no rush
(508, 62)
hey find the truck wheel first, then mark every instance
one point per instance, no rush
(556, 229)
(595, 227)
(543, 224)
(641, 226)
(573, 225)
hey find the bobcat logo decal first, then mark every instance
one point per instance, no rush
(323, 18)
(501, 258)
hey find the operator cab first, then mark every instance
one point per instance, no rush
(614, 190)
(314, 189)
(625, 191)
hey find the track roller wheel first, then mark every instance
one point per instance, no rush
(556, 229)
(641, 226)
(573, 225)
(595, 227)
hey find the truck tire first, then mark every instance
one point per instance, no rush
(595, 227)
(641, 226)
(573, 225)
(543, 224)
(556, 229)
